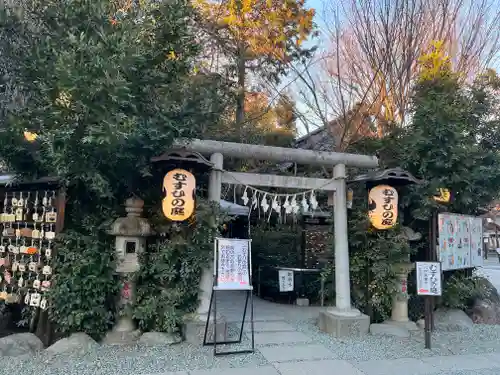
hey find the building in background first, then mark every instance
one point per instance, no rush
(491, 228)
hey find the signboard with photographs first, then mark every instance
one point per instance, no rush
(232, 264)
(428, 278)
(460, 241)
(286, 280)
(476, 242)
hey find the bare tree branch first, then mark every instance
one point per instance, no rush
(360, 85)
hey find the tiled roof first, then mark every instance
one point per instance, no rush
(320, 140)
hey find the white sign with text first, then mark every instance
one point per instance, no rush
(233, 264)
(428, 278)
(286, 280)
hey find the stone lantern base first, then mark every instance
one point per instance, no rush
(116, 337)
(343, 324)
(124, 331)
(391, 328)
(399, 325)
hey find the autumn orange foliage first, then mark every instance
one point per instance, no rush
(120, 6)
(264, 27)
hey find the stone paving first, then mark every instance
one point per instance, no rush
(299, 357)
(288, 350)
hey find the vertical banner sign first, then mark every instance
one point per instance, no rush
(429, 286)
(428, 278)
(179, 186)
(383, 206)
(233, 264)
(286, 280)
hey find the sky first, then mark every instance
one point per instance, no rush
(319, 6)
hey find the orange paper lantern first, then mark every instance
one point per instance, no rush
(383, 206)
(30, 136)
(179, 186)
(443, 195)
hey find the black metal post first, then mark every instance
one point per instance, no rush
(215, 321)
(496, 239)
(434, 258)
(205, 338)
(252, 325)
(428, 313)
(244, 316)
(431, 255)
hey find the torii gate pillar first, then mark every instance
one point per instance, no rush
(214, 195)
(342, 282)
(194, 328)
(342, 319)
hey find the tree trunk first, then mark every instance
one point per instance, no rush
(240, 99)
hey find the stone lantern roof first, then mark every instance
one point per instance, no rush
(411, 235)
(133, 225)
(392, 176)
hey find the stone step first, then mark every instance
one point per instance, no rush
(269, 326)
(280, 338)
(262, 326)
(194, 331)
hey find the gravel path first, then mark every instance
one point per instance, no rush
(184, 357)
(476, 372)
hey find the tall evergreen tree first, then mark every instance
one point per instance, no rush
(106, 89)
(449, 140)
(256, 37)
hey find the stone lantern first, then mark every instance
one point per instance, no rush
(399, 315)
(399, 324)
(131, 233)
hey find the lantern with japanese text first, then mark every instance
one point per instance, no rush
(179, 202)
(383, 206)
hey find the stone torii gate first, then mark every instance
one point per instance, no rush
(341, 319)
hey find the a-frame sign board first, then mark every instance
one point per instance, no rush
(232, 272)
